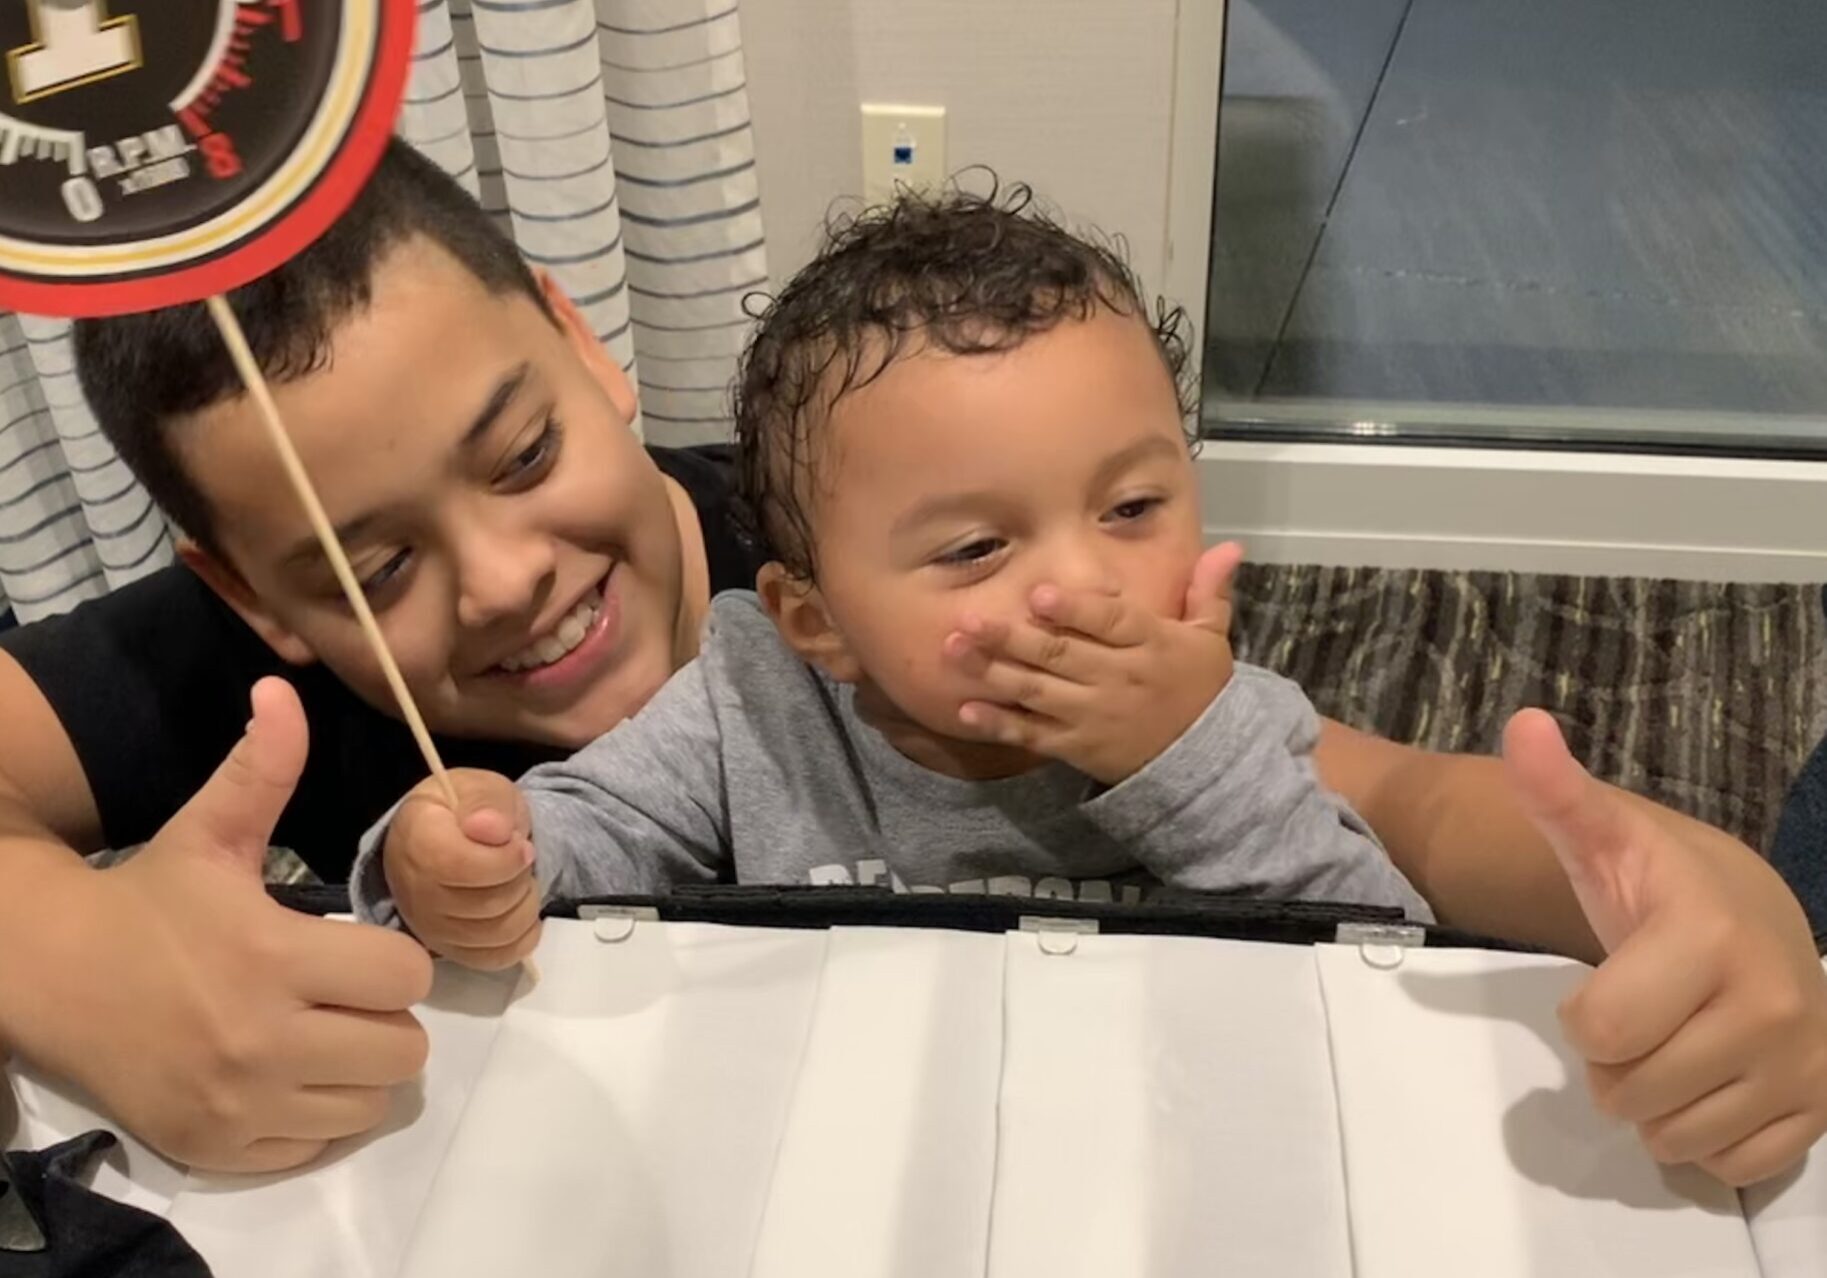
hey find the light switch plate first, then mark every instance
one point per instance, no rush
(903, 146)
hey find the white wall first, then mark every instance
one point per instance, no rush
(1109, 109)
(1074, 97)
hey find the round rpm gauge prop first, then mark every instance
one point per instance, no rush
(160, 151)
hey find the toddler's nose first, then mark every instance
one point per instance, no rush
(1079, 567)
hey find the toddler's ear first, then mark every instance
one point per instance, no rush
(799, 613)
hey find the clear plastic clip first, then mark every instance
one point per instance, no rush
(1381, 945)
(1058, 937)
(613, 924)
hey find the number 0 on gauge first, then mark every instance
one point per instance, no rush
(159, 151)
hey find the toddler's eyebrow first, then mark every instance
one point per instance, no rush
(1142, 450)
(941, 505)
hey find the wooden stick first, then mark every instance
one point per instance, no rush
(326, 536)
(255, 381)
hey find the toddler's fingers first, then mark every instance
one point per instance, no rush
(1001, 725)
(497, 958)
(1107, 618)
(458, 862)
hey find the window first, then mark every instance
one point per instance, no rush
(1561, 223)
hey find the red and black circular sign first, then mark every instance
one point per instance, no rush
(159, 151)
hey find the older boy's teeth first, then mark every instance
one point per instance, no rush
(566, 636)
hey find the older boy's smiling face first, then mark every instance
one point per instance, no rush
(957, 484)
(519, 548)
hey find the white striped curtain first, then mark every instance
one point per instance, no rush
(73, 521)
(612, 140)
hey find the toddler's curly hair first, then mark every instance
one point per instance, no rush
(968, 273)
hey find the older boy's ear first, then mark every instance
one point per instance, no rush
(221, 577)
(799, 613)
(596, 357)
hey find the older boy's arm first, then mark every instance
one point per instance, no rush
(46, 813)
(1453, 826)
(44, 794)
(1706, 1023)
(196, 1010)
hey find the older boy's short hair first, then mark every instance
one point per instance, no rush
(142, 372)
(967, 273)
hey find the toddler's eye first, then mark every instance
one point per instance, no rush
(972, 553)
(1129, 511)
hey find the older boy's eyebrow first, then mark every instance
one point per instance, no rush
(497, 402)
(306, 549)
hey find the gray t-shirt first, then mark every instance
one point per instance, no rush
(751, 766)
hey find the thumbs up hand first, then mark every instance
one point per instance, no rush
(1706, 1025)
(226, 1031)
